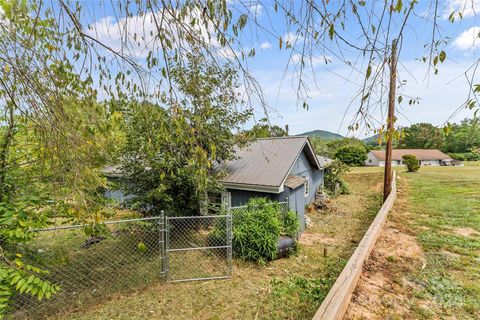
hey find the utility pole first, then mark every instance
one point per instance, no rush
(387, 178)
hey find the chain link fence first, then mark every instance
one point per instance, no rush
(117, 256)
(91, 263)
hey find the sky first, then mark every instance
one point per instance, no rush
(332, 85)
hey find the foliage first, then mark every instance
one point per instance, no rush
(463, 137)
(422, 136)
(263, 129)
(16, 221)
(465, 156)
(257, 228)
(172, 148)
(352, 155)
(54, 138)
(329, 148)
(333, 182)
(411, 162)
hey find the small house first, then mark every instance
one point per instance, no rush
(426, 157)
(282, 169)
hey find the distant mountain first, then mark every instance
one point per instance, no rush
(373, 140)
(327, 135)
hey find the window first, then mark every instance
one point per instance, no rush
(307, 186)
(369, 160)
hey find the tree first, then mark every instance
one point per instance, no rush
(422, 136)
(411, 162)
(263, 129)
(352, 155)
(172, 149)
(462, 137)
(54, 138)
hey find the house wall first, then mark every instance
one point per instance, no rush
(373, 161)
(296, 197)
(241, 197)
(430, 162)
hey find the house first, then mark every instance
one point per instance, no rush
(426, 157)
(282, 169)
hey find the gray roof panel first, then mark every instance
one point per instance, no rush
(265, 162)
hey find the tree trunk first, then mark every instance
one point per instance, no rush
(387, 178)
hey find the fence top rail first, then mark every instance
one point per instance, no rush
(199, 217)
(79, 226)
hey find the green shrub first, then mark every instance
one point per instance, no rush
(352, 155)
(411, 162)
(257, 228)
(465, 156)
(333, 182)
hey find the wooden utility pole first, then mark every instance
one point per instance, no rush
(387, 178)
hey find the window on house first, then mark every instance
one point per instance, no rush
(307, 186)
(369, 160)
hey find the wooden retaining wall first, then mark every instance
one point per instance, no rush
(335, 304)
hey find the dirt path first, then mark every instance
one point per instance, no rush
(383, 291)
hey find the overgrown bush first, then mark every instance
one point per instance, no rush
(333, 182)
(257, 227)
(465, 156)
(411, 162)
(352, 155)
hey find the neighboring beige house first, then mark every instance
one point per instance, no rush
(427, 157)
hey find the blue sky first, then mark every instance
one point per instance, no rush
(440, 95)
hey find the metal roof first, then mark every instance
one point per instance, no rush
(420, 154)
(294, 181)
(324, 161)
(265, 163)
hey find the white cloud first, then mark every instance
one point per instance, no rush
(468, 40)
(265, 45)
(468, 8)
(256, 9)
(312, 60)
(291, 38)
(136, 36)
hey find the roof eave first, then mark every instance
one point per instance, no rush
(253, 187)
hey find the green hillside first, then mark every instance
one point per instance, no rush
(372, 141)
(327, 135)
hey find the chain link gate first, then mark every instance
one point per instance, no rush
(198, 248)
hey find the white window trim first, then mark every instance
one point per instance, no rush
(306, 186)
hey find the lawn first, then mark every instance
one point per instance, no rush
(291, 288)
(426, 264)
(446, 207)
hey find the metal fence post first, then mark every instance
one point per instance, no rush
(229, 238)
(167, 244)
(161, 243)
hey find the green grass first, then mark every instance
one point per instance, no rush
(446, 210)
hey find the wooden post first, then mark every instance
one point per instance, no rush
(387, 178)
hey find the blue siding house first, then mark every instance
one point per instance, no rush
(282, 169)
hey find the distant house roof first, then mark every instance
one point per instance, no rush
(420, 154)
(265, 164)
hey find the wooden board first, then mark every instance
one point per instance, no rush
(335, 304)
